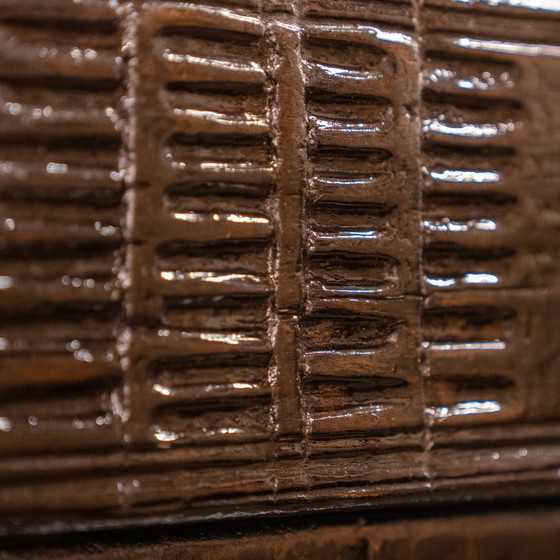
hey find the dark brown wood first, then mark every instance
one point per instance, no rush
(527, 532)
(261, 257)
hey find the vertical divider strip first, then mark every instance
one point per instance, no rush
(290, 143)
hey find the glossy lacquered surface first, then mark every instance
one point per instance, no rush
(465, 533)
(266, 257)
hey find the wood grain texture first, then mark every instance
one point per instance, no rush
(469, 534)
(266, 256)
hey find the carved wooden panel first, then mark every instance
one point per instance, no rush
(272, 256)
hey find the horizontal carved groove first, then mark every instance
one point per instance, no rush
(190, 402)
(65, 58)
(466, 100)
(52, 197)
(221, 170)
(333, 308)
(359, 420)
(229, 140)
(66, 401)
(65, 84)
(353, 260)
(234, 89)
(187, 348)
(356, 283)
(338, 408)
(354, 53)
(62, 434)
(320, 452)
(478, 59)
(254, 262)
(353, 190)
(218, 34)
(97, 142)
(46, 373)
(371, 154)
(461, 132)
(436, 251)
(355, 208)
(56, 385)
(472, 76)
(248, 424)
(180, 69)
(58, 126)
(224, 232)
(228, 5)
(70, 248)
(87, 273)
(343, 323)
(221, 247)
(28, 291)
(483, 153)
(238, 359)
(70, 311)
(475, 314)
(34, 170)
(214, 282)
(246, 320)
(229, 301)
(65, 24)
(351, 406)
(357, 334)
(477, 382)
(195, 384)
(219, 188)
(393, 12)
(328, 97)
(349, 179)
(244, 163)
(373, 383)
(474, 198)
(519, 12)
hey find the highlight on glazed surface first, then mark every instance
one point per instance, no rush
(270, 256)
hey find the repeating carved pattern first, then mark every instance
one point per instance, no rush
(489, 194)
(61, 200)
(275, 256)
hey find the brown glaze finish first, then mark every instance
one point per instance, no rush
(484, 535)
(271, 256)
